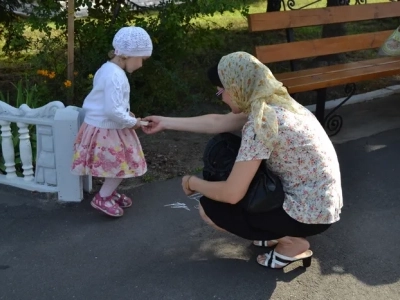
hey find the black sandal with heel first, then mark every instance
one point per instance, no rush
(266, 244)
(275, 260)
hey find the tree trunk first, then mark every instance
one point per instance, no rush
(332, 30)
(273, 5)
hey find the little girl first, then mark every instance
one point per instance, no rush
(107, 145)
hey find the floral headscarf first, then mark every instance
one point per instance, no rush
(253, 88)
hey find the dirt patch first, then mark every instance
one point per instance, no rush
(170, 154)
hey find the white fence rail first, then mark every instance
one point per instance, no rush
(56, 129)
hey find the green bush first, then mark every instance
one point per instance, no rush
(12, 27)
(172, 77)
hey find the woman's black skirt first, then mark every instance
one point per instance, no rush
(219, 156)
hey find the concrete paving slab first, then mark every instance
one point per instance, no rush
(158, 252)
(368, 118)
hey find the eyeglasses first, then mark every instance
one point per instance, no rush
(219, 93)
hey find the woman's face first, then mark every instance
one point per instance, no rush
(226, 98)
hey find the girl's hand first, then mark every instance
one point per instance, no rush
(137, 125)
(156, 124)
(186, 185)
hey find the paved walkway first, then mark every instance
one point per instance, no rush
(51, 251)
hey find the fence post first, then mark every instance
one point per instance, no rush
(87, 180)
(25, 151)
(66, 126)
(7, 149)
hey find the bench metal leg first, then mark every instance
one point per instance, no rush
(334, 122)
(320, 109)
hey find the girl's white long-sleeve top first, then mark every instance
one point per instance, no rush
(107, 105)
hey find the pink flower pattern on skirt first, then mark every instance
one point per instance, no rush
(115, 153)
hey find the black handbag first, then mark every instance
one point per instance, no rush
(265, 192)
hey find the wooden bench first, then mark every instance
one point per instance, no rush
(321, 78)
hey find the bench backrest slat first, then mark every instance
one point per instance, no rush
(319, 47)
(320, 16)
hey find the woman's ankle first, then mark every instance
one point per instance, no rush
(292, 246)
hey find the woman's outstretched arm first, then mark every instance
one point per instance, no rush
(212, 123)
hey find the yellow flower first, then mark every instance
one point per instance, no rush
(124, 166)
(43, 72)
(90, 76)
(52, 75)
(67, 83)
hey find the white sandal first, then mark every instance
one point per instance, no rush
(270, 243)
(275, 260)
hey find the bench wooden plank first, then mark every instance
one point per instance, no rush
(336, 68)
(321, 78)
(320, 16)
(319, 47)
(325, 77)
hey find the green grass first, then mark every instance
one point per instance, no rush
(239, 22)
(147, 178)
(34, 35)
(235, 19)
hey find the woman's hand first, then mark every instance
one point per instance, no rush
(186, 185)
(156, 124)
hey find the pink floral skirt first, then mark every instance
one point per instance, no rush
(108, 153)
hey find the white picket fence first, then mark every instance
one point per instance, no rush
(56, 129)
